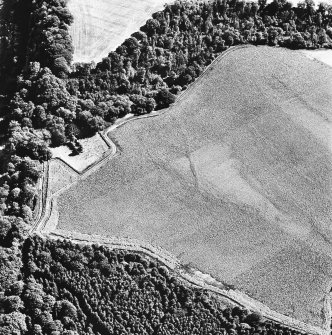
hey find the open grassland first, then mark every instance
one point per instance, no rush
(235, 179)
(100, 26)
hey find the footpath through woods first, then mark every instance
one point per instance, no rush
(46, 219)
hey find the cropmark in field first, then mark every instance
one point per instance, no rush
(234, 179)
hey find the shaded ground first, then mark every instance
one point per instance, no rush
(235, 179)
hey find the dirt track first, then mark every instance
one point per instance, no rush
(240, 188)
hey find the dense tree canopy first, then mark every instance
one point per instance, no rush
(35, 52)
(170, 52)
(79, 289)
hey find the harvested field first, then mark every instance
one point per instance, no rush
(234, 179)
(324, 56)
(100, 26)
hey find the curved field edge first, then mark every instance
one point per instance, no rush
(47, 222)
(191, 277)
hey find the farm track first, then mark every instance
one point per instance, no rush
(48, 203)
(42, 201)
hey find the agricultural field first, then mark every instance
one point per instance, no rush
(101, 26)
(235, 180)
(324, 56)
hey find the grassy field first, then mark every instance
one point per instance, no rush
(94, 148)
(102, 25)
(60, 176)
(235, 179)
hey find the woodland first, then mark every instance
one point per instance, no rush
(57, 287)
